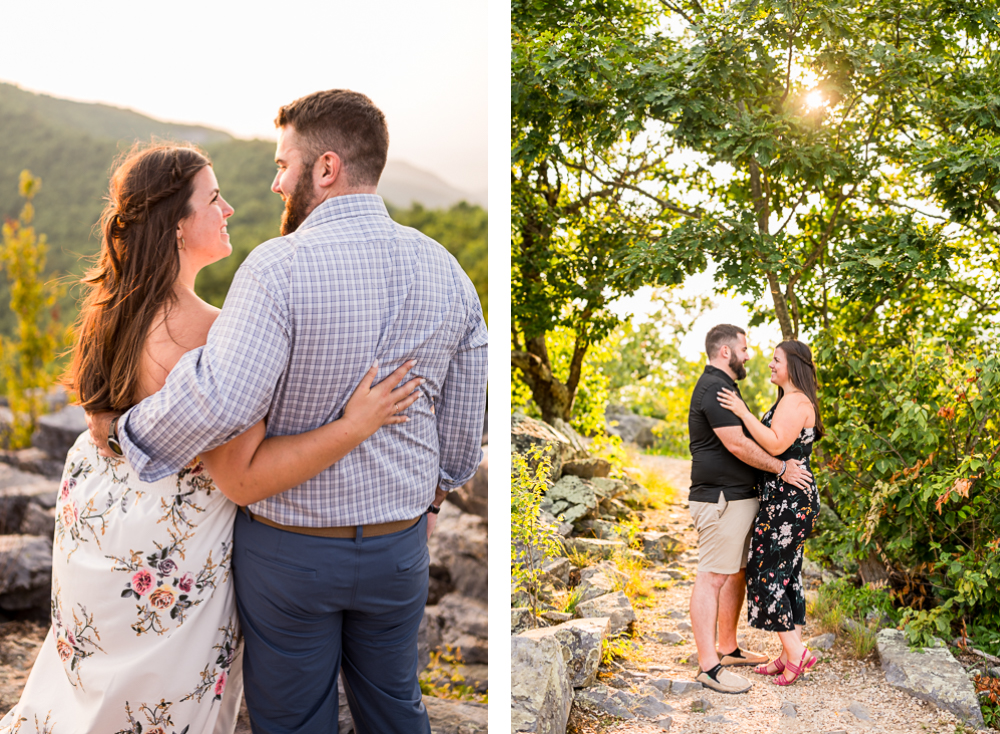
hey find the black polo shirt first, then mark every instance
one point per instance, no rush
(713, 467)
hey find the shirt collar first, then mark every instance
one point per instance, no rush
(345, 207)
(710, 370)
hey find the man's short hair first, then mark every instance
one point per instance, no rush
(720, 335)
(345, 122)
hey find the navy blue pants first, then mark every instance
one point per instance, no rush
(310, 605)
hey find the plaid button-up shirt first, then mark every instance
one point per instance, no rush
(305, 318)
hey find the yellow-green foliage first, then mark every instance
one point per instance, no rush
(531, 540)
(443, 677)
(633, 581)
(27, 362)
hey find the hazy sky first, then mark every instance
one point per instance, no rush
(231, 65)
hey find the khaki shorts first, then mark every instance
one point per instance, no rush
(723, 533)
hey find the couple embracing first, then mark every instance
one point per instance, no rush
(753, 502)
(252, 504)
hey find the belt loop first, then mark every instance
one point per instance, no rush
(360, 534)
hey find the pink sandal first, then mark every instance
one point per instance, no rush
(797, 670)
(762, 669)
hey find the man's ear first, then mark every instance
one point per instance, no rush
(328, 170)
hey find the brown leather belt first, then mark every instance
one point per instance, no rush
(346, 531)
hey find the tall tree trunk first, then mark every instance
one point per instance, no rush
(552, 397)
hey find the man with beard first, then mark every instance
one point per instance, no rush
(723, 504)
(333, 573)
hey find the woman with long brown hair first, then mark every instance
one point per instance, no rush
(775, 599)
(144, 633)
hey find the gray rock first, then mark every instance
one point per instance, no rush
(934, 676)
(668, 638)
(588, 468)
(595, 547)
(661, 684)
(575, 439)
(520, 620)
(610, 488)
(596, 585)
(557, 568)
(676, 614)
(995, 672)
(540, 693)
(556, 617)
(821, 642)
(650, 707)
(456, 717)
(55, 433)
(459, 622)
(526, 432)
(473, 496)
(572, 499)
(616, 606)
(859, 710)
(719, 719)
(606, 700)
(34, 461)
(681, 686)
(580, 640)
(38, 521)
(701, 704)
(25, 571)
(684, 626)
(665, 723)
(632, 428)
(657, 546)
(458, 549)
(789, 710)
(600, 529)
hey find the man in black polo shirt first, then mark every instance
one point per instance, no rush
(723, 504)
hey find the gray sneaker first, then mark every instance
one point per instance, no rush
(724, 681)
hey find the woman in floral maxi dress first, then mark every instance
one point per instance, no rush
(775, 599)
(145, 636)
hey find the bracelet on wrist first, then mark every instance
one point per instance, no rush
(784, 466)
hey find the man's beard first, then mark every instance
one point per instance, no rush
(737, 367)
(300, 204)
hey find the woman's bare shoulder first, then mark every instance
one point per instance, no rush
(180, 329)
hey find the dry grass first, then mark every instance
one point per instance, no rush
(661, 492)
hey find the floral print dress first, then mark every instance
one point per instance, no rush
(144, 628)
(775, 599)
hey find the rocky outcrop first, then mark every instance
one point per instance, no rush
(616, 606)
(25, 571)
(457, 622)
(458, 550)
(632, 428)
(527, 432)
(540, 690)
(931, 674)
(56, 432)
(473, 496)
(580, 640)
(456, 717)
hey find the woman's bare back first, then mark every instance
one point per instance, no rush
(182, 327)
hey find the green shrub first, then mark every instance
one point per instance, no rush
(531, 540)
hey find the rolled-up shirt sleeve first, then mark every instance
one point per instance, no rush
(216, 392)
(462, 405)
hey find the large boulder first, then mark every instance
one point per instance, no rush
(616, 606)
(540, 691)
(580, 640)
(931, 674)
(526, 432)
(456, 717)
(25, 571)
(34, 461)
(571, 498)
(457, 622)
(657, 546)
(595, 546)
(56, 432)
(473, 496)
(588, 468)
(458, 548)
(632, 428)
(18, 491)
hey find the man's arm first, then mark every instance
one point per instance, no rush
(462, 405)
(218, 391)
(748, 452)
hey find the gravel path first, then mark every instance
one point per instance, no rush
(820, 699)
